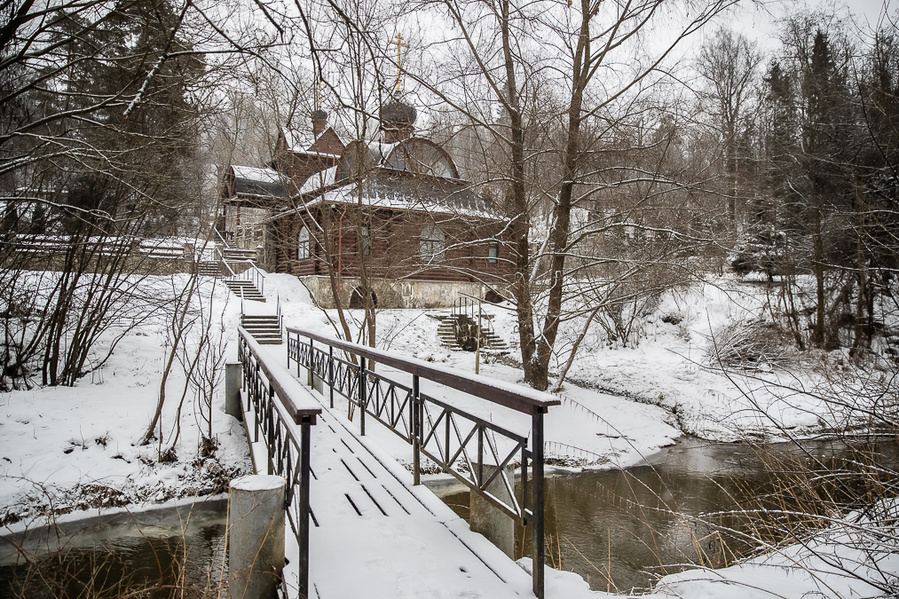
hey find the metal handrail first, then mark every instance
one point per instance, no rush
(219, 235)
(221, 256)
(273, 398)
(516, 397)
(438, 430)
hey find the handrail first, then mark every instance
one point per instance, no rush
(476, 451)
(258, 277)
(521, 399)
(225, 262)
(278, 313)
(219, 235)
(271, 394)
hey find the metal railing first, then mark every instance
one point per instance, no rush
(469, 307)
(477, 452)
(284, 423)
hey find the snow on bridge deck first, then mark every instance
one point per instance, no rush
(375, 535)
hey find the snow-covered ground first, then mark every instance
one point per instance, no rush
(65, 449)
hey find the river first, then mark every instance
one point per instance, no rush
(623, 529)
(619, 529)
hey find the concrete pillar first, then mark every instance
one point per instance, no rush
(486, 519)
(255, 536)
(232, 390)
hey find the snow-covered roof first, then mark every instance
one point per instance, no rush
(318, 180)
(261, 175)
(253, 181)
(386, 189)
(414, 155)
(301, 142)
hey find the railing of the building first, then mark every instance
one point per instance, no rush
(476, 451)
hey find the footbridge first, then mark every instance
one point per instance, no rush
(358, 521)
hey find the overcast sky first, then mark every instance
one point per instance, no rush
(759, 19)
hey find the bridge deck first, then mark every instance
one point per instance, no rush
(375, 535)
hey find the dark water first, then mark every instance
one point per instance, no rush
(621, 530)
(174, 552)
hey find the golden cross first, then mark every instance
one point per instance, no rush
(398, 42)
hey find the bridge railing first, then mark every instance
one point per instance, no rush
(476, 451)
(284, 422)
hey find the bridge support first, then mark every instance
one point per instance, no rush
(488, 519)
(255, 536)
(233, 373)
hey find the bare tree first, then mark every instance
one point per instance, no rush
(728, 63)
(512, 53)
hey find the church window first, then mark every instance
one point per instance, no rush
(493, 252)
(433, 244)
(366, 240)
(303, 244)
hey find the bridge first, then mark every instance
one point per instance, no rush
(352, 510)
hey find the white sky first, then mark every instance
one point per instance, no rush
(759, 20)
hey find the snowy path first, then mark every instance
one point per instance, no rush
(373, 529)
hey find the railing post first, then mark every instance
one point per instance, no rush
(538, 532)
(303, 540)
(270, 430)
(416, 430)
(331, 374)
(309, 374)
(362, 393)
(255, 393)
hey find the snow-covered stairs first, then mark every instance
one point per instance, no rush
(446, 332)
(244, 288)
(235, 254)
(209, 268)
(265, 328)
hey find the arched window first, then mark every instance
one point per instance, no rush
(303, 243)
(433, 244)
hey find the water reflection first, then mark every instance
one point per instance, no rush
(621, 530)
(177, 552)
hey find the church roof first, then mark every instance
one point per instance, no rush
(252, 181)
(415, 155)
(302, 142)
(397, 190)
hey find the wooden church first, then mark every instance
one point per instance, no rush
(390, 215)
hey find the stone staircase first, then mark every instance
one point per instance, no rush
(454, 334)
(265, 328)
(244, 288)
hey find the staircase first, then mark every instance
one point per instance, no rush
(449, 332)
(209, 268)
(244, 288)
(234, 254)
(265, 329)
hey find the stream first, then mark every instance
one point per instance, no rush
(619, 529)
(152, 554)
(623, 529)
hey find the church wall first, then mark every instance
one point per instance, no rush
(395, 247)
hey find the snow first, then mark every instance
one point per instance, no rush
(70, 449)
(252, 173)
(258, 482)
(66, 449)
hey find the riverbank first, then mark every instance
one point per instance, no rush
(64, 449)
(69, 449)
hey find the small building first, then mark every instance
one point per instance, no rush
(391, 216)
